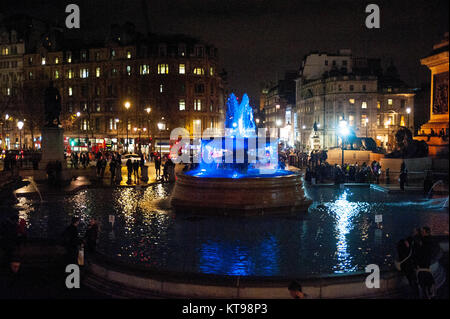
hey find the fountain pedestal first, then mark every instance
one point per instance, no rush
(241, 196)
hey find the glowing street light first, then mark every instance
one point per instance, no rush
(408, 110)
(127, 106)
(20, 126)
(160, 127)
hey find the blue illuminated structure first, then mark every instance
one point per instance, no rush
(240, 153)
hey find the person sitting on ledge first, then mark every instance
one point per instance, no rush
(295, 289)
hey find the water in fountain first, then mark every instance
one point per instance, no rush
(243, 151)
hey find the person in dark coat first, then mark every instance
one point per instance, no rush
(71, 241)
(91, 236)
(157, 166)
(130, 170)
(136, 171)
(406, 263)
(112, 169)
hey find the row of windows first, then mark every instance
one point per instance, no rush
(8, 64)
(199, 88)
(8, 51)
(143, 70)
(198, 105)
(113, 54)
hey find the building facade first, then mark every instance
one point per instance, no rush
(278, 103)
(129, 95)
(12, 49)
(340, 87)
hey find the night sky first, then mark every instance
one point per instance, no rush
(259, 40)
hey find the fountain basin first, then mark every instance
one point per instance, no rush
(245, 195)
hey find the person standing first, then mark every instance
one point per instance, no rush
(112, 169)
(91, 236)
(157, 166)
(403, 176)
(71, 241)
(136, 171)
(129, 170)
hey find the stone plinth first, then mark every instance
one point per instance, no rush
(248, 196)
(52, 146)
(52, 150)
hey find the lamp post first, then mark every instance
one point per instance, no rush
(117, 131)
(20, 126)
(78, 114)
(408, 110)
(279, 122)
(367, 121)
(127, 106)
(148, 110)
(160, 127)
(344, 131)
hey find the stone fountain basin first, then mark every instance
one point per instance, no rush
(252, 196)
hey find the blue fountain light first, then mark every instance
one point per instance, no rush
(240, 152)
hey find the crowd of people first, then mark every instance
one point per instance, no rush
(418, 260)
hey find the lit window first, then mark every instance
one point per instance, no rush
(390, 101)
(113, 53)
(69, 57)
(56, 60)
(56, 74)
(364, 105)
(30, 75)
(128, 54)
(97, 72)
(182, 105)
(70, 91)
(161, 88)
(211, 71)
(8, 91)
(43, 61)
(378, 105)
(351, 120)
(352, 101)
(70, 74)
(199, 71)
(182, 69)
(144, 69)
(84, 73)
(197, 105)
(402, 121)
(128, 69)
(163, 68)
(364, 120)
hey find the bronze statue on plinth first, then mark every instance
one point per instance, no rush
(52, 102)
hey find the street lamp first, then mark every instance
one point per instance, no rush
(279, 122)
(127, 106)
(148, 110)
(79, 132)
(160, 127)
(20, 126)
(367, 121)
(344, 132)
(408, 110)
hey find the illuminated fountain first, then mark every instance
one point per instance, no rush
(239, 172)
